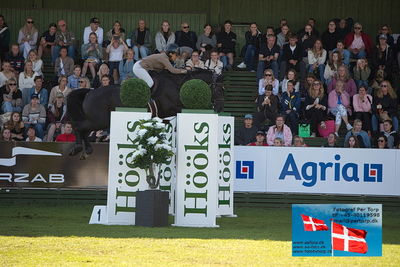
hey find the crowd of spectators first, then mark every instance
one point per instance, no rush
(304, 76)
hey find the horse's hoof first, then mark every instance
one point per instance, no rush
(89, 150)
(83, 156)
(75, 150)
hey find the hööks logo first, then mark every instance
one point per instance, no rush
(310, 171)
(244, 169)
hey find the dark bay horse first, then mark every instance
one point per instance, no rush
(89, 110)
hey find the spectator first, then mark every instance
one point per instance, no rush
(92, 54)
(116, 51)
(278, 141)
(185, 39)
(387, 31)
(226, 42)
(26, 81)
(316, 59)
(64, 65)
(331, 140)
(293, 58)
(312, 22)
(206, 42)
(56, 116)
(11, 97)
(282, 23)
(310, 79)
(246, 134)
(16, 126)
(105, 80)
(268, 31)
(94, 27)
(316, 107)
(392, 136)
(344, 28)
(298, 141)
(279, 130)
(34, 115)
(73, 79)
(194, 61)
(47, 40)
(67, 136)
(126, 66)
(84, 83)
(352, 142)
(383, 57)
(268, 57)
(141, 40)
(37, 63)
(260, 140)
(361, 73)
(7, 73)
(62, 88)
(31, 135)
(267, 107)
(335, 60)
(290, 106)
(361, 136)
(251, 48)
(16, 60)
(64, 38)
(291, 75)
(339, 106)
(116, 30)
(27, 37)
(164, 37)
(330, 37)
(99, 136)
(40, 91)
(307, 38)
(382, 142)
(4, 38)
(362, 104)
(214, 64)
(103, 70)
(6, 135)
(269, 79)
(358, 43)
(343, 52)
(348, 83)
(282, 37)
(385, 106)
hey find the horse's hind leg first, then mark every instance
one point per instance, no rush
(78, 147)
(88, 146)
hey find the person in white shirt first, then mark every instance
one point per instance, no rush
(93, 27)
(36, 61)
(26, 79)
(31, 133)
(214, 63)
(316, 59)
(268, 79)
(116, 50)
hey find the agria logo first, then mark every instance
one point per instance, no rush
(244, 169)
(24, 151)
(311, 172)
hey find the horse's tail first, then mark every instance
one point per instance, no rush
(74, 104)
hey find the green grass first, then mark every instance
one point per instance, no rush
(53, 235)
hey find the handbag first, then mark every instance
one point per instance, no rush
(304, 130)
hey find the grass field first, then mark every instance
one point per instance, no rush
(39, 234)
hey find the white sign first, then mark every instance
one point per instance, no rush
(226, 128)
(196, 186)
(99, 215)
(168, 170)
(123, 180)
(250, 169)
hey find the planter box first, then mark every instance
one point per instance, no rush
(152, 208)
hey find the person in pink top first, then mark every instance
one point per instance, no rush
(358, 43)
(348, 83)
(362, 103)
(339, 105)
(279, 130)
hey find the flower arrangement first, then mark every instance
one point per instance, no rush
(152, 148)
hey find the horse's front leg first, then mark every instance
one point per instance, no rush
(78, 146)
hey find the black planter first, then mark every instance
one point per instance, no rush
(152, 208)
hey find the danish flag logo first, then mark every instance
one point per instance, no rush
(244, 169)
(349, 239)
(313, 224)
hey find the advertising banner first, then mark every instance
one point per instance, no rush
(123, 179)
(196, 185)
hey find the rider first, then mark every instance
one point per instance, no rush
(157, 62)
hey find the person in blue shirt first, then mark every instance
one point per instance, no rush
(73, 80)
(362, 136)
(42, 93)
(290, 106)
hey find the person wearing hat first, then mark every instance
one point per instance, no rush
(260, 139)
(247, 133)
(157, 62)
(93, 27)
(34, 114)
(383, 57)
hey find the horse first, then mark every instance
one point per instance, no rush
(90, 110)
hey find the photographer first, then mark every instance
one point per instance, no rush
(115, 50)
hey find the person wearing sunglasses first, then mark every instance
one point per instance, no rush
(27, 37)
(381, 142)
(358, 43)
(186, 39)
(10, 97)
(385, 30)
(385, 106)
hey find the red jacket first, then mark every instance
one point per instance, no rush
(348, 40)
(66, 138)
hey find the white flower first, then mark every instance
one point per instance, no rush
(152, 140)
(157, 119)
(147, 124)
(162, 146)
(142, 132)
(159, 125)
